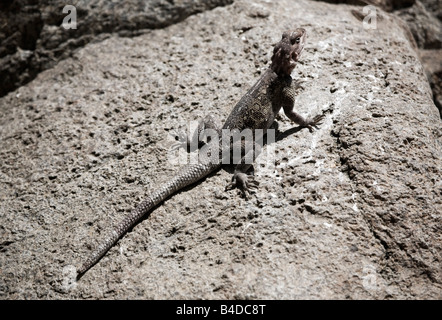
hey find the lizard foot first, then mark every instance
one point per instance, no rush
(244, 182)
(181, 140)
(313, 123)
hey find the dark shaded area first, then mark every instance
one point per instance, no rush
(32, 37)
(387, 5)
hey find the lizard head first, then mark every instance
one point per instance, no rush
(287, 51)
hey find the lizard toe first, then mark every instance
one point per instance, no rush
(181, 139)
(246, 183)
(314, 123)
(231, 184)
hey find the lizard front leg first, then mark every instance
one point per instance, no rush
(289, 106)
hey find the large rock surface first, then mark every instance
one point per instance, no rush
(422, 21)
(352, 210)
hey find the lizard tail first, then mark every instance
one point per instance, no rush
(189, 175)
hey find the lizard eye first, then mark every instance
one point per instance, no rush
(294, 40)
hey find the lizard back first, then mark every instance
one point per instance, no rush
(258, 107)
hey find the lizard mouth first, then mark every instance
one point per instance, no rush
(296, 56)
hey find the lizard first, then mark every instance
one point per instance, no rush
(257, 109)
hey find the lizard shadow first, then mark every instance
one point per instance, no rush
(279, 136)
(282, 135)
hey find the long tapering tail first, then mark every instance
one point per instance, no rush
(188, 175)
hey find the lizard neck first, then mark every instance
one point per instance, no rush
(271, 73)
(270, 76)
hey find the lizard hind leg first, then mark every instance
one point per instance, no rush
(241, 179)
(245, 182)
(196, 139)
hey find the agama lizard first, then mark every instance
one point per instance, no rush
(256, 110)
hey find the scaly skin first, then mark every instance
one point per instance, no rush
(187, 176)
(256, 110)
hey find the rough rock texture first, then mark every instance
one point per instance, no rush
(432, 62)
(425, 21)
(352, 211)
(422, 20)
(32, 39)
(424, 25)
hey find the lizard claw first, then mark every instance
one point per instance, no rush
(299, 84)
(314, 123)
(181, 139)
(244, 182)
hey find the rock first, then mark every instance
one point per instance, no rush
(423, 17)
(36, 25)
(351, 211)
(422, 23)
(426, 28)
(432, 61)
(433, 6)
(387, 5)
